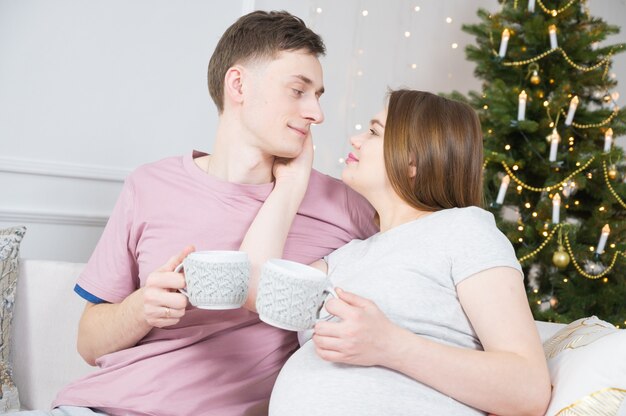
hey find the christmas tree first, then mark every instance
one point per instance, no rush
(553, 178)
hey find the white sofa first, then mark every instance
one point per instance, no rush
(45, 326)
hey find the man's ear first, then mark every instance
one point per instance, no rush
(233, 84)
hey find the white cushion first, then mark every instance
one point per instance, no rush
(45, 326)
(548, 329)
(587, 362)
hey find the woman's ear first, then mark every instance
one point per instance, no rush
(412, 169)
(233, 84)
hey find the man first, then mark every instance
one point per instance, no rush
(157, 355)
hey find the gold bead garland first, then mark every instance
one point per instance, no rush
(541, 246)
(573, 64)
(527, 61)
(547, 188)
(608, 184)
(585, 274)
(568, 246)
(596, 125)
(553, 12)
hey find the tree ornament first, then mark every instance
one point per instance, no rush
(533, 72)
(560, 258)
(554, 302)
(612, 172)
(534, 78)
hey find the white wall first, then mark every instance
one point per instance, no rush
(89, 90)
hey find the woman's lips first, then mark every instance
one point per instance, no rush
(351, 158)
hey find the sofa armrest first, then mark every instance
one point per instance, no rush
(45, 325)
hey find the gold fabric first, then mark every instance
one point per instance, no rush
(577, 334)
(604, 402)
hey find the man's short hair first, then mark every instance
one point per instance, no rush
(256, 36)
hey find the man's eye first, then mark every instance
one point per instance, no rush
(297, 92)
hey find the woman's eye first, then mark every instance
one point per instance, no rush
(373, 132)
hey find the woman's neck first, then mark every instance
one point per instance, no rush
(394, 211)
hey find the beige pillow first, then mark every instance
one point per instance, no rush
(587, 362)
(10, 239)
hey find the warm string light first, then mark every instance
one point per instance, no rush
(359, 52)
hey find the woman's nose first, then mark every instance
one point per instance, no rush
(356, 140)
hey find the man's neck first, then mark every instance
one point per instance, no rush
(234, 160)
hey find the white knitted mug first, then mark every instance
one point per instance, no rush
(290, 295)
(216, 279)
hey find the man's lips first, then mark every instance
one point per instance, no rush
(301, 131)
(351, 158)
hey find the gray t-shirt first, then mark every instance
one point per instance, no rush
(411, 273)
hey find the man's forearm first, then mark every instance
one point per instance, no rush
(108, 327)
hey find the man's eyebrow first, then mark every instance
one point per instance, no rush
(308, 81)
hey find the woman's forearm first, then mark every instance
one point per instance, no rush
(500, 382)
(267, 235)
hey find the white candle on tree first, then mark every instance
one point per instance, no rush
(552, 31)
(502, 191)
(556, 208)
(608, 140)
(573, 104)
(504, 42)
(521, 106)
(531, 6)
(554, 144)
(604, 236)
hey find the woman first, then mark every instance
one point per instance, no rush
(433, 317)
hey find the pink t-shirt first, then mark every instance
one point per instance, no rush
(211, 362)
